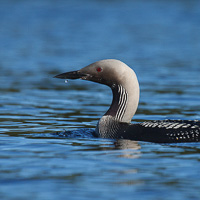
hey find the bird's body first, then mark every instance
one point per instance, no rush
(125, 88)
(158, 131)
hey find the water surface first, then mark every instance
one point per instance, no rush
(160, 40)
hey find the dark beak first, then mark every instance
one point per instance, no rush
(71, 75)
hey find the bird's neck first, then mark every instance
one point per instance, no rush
(124, 103)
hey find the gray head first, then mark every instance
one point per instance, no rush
(116, 75)
(106, 72)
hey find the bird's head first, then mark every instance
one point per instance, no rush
(106, 72)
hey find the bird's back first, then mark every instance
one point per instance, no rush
(164, 131)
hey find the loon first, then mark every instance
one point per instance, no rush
(116, 122)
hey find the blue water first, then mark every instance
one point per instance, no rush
(160, 40)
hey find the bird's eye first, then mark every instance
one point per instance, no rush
(99, 69)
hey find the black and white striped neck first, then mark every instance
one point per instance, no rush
(119, 103)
